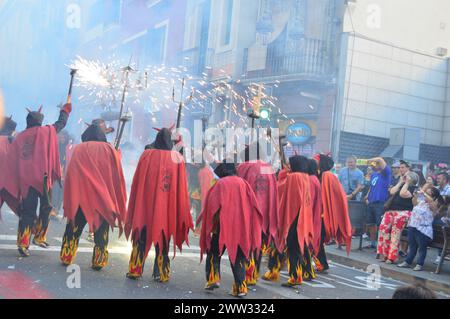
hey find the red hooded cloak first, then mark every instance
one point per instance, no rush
(335, 211)
(159, 200)
(295, 200)
(96, 184)
(36, 153)
(263, 181)
(205, 177)
(240, 218)
(316, 200)
(9, 187)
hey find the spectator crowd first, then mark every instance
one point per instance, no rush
(399, 197)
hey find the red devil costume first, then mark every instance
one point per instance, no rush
(36, 153)
(295, 223)
(231, 220)
(336, 221)
(94, 194)
(263, 181)
(316, 203)
(159, 208)
(9, 188)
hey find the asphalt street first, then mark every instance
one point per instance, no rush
(42, 276)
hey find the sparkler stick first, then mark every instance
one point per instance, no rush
(280, 147)
(123, 119)
(72, 76)
(180, 103)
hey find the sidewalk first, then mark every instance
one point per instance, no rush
(361, 259)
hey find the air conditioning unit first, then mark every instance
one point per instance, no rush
(441, 51)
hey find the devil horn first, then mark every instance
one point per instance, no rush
(40, 109)
(87, 124)
(157, 129)
(171, 127)
(28, 109)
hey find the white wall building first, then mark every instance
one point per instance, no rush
(391, 75)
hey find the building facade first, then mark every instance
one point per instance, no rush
(393, 95)
(289, 47)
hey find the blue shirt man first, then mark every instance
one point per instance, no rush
(379, 186)
(352, 179)
(378, 195)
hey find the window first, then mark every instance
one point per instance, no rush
(227, 20)
(153, 45)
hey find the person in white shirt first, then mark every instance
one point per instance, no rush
(420, 225)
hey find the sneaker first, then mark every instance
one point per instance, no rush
(402, 254)
(418, 268)
(212, 286)
(24, 252)
(437, 260)
(404, 265)
(365, 236)
(238, 295)
(133, 276)
(389, 262)
(42, 244)
(447, 257)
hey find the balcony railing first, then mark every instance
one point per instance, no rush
(311, 59)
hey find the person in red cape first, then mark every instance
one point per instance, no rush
(94, 194)
(106, 130)
(336, 219)
(158, 208)
(9, 188)
(36, 154)
(316, 200)
(295, 223)
(231, 220)
(206, 180)
(262, 178)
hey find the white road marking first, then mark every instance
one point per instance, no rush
(8, 237)
(82, 241)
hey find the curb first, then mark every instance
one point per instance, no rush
(392, 273)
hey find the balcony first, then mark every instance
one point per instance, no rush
(310, 60)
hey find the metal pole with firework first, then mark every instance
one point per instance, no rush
(123, 119)
(255, 115)
(181, 102)
(72, 76)
(281, 145)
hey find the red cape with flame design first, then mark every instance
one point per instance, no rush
(295, 199)
(240, 218)
(36, 154)
(263, 181)
(159, 200)
(9, 187)
(96, 184)
(335, 211)
(316, 200)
